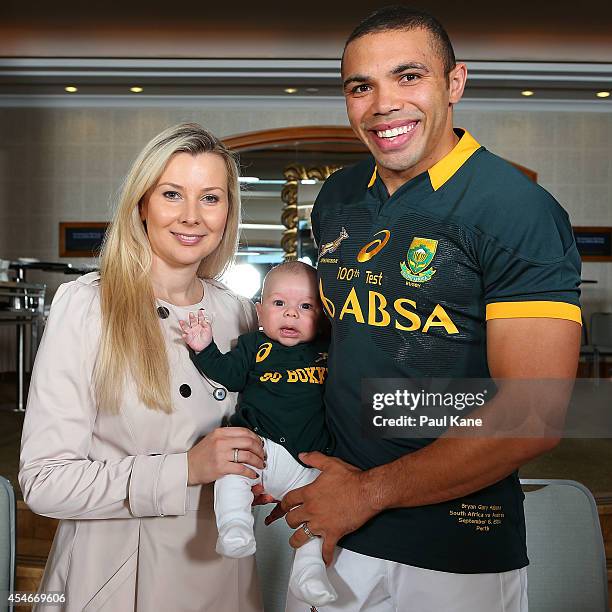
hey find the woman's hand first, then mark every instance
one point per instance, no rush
(198, 332)
(213, 456)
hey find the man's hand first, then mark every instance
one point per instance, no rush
(198, 332)
(260, 497)
(335, 504)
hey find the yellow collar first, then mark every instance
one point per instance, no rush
(373, 179)
(442, 171)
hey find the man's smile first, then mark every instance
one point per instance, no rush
(393, 129)
(393, 135)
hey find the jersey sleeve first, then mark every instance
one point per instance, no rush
(229, 369)
(531, 266)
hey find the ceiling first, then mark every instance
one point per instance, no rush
(260, 49)
(560, 31)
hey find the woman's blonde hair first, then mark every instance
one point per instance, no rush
(131, 341)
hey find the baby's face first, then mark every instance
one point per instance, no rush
(289, 311)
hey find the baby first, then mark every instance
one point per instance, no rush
(280, 372)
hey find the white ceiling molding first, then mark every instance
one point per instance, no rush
(173, 70)
(185, 70)
(298, 103)
(37, 82)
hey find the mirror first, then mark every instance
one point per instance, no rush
(278, 168)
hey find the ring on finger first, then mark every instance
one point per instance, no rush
(306, 530)
(235, 459)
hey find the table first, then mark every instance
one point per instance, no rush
(26, 309)
(23, 306)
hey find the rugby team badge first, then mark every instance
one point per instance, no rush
(418, 259)
(330, 247)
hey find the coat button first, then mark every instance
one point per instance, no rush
(219, 393)
(282, 440)
(163, 312)
(185, 390)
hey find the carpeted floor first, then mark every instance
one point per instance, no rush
(587, 461)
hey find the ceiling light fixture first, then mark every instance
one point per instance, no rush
(136, 89)
(290, 90)
(71, 89)
(527, 93)
(603, 94)
(249, 179)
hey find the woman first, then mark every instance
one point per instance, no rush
(113, 436)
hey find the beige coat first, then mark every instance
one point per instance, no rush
(133, 535)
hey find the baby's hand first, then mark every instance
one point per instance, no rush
(198, 332)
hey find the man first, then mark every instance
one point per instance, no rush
(459, 267)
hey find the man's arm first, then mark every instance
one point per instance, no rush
(344, 498)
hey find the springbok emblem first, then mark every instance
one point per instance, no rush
(330, 247)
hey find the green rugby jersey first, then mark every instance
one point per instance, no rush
(282, 388)
(408, 282)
